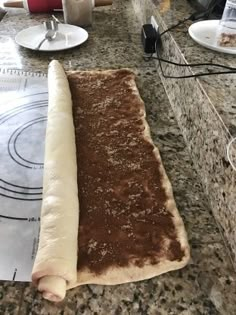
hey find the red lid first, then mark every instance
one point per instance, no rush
(36, 6)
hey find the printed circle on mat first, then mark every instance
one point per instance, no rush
(18, 143)
(22, 135)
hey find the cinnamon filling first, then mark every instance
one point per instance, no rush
(123, 218)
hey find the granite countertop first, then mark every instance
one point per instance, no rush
(204, 107)
(208, 284)
(219, 88)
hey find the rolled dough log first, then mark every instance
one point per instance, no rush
(55, 264)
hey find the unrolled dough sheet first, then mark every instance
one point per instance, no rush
(64, 258)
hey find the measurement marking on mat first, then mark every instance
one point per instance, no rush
(14, 275)
(31, 219)
(13, 218)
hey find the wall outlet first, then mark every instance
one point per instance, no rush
(154, 24)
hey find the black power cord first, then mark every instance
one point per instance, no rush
(176, 25)
(201, 74)
(189, 64)
(193, 17)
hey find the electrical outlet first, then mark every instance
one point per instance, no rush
(154, 24)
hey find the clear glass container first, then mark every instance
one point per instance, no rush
(78, 12)
(226, 33)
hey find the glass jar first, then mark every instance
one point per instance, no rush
(226, 33)
(78, 12)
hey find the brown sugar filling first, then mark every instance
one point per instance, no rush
(123, 218)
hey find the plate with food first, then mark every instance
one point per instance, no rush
(210, 35)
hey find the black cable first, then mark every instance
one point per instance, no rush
(191, 75)
(191, 64)
(175, 25)
(194, 75)
(193, 17)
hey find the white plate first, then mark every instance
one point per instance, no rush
(204, 33)
(68, 36)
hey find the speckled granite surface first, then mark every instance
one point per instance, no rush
(208, 284)
(205, 108)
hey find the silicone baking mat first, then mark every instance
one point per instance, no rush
(23, 115)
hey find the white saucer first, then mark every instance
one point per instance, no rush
(204, 33)
(68, 36)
